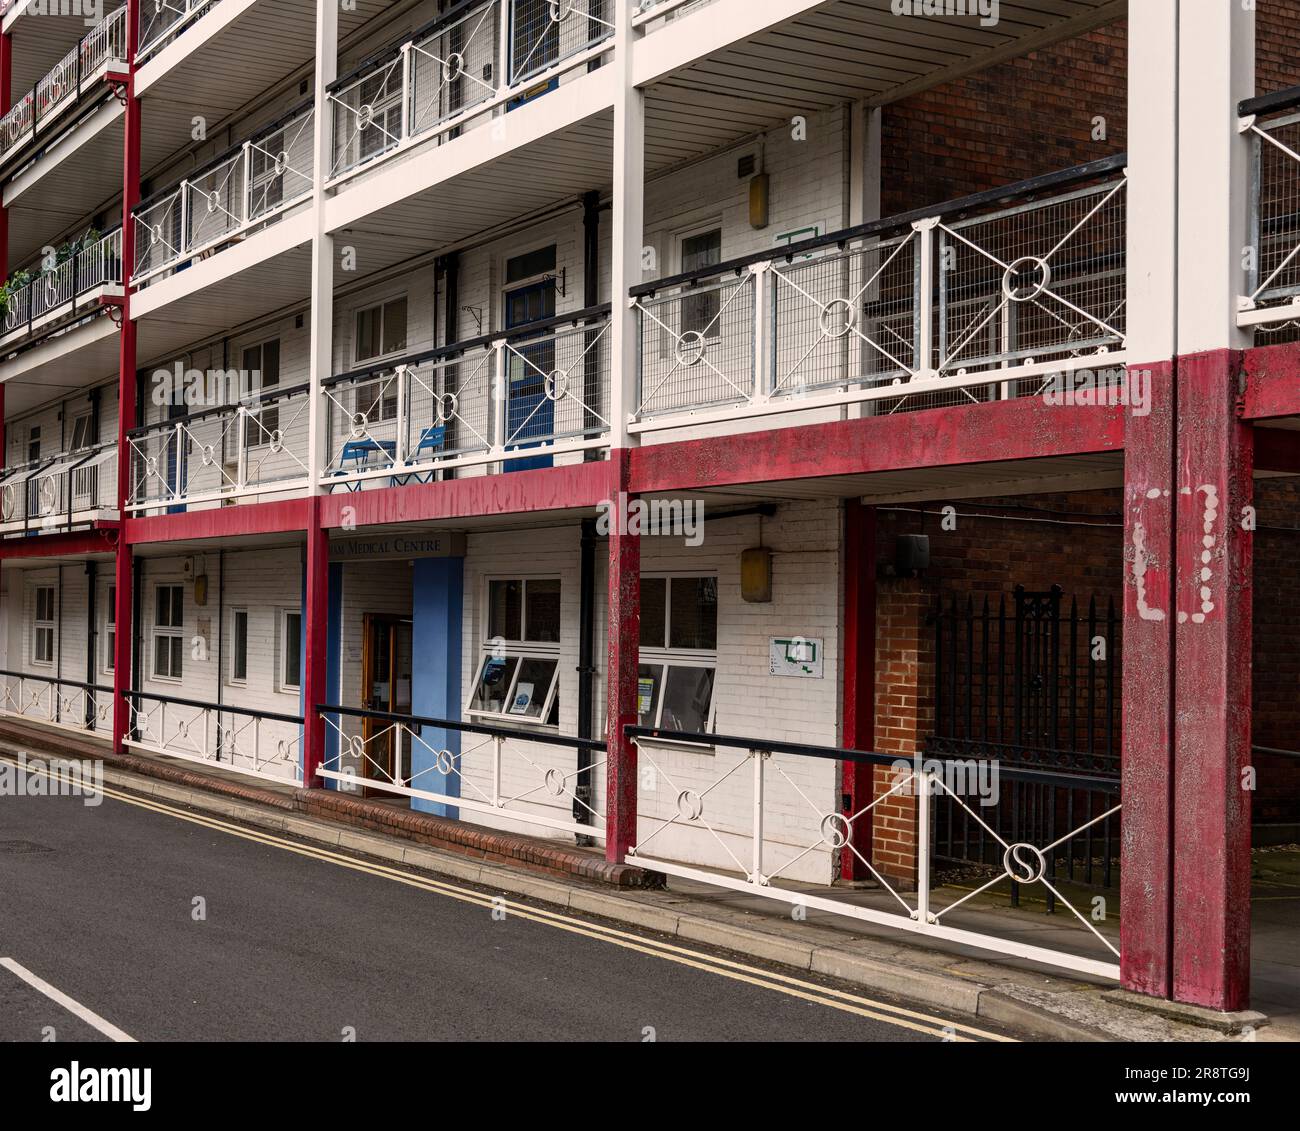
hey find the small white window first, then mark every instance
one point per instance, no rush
(262, 374)
(110, 629)
(519, 672)
(290, 649)
(43, 634)
(169, 632)
(679, 653)
(239, 646)
(81, 432)
(381, 331)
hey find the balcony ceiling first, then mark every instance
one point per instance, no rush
(83, 356)
(834, 53)
(558, 167)
(40, 41)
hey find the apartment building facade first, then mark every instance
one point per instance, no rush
(653, 424)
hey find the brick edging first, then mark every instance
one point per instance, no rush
(533, 853)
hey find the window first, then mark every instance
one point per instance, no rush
(700, 312)
(238, 645)
(262, 364)
(381, 330)
(518, 676)
(81, 432)
(43, 636)
(169, 631)
(34, 444)
(380, 126)
(110, 629)
(290, 649)
(679, 644)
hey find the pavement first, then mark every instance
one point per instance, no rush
(364, 946)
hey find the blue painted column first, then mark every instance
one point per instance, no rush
(436, 602)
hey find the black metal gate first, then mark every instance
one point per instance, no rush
(1030, 684)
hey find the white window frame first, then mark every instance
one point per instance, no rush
(86, 419)
(42, 626)
(520, 651)
(282, 682)
(167, 632)
(257, 438)
(668, 657)
(380, 305)
(232, 679)
(109, 659)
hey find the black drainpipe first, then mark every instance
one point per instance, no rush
(136, 629)
(92, 637)
(58, 647)
(586, 673)
(221, 639)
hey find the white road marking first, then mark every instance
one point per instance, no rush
(112, 1032)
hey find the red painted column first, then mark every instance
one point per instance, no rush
(858, 723)
(1212, 687)
(1146, 881)
(315, 679)
(624, 639)
(126, 392)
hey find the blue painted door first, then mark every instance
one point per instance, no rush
(530, 414)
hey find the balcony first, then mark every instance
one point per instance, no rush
(85, 72)
(88, 277)
(532, 395)
(69, 491)
(989, 297)
(219, 455)
(1271, 304)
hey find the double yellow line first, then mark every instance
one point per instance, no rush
(714, 964)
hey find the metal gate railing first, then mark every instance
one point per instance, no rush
(1031, 685)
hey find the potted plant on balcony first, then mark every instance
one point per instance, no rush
(12, 286)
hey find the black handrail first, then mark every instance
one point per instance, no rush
(841, 754)
(952, 209)
(1269, 103)
(468, 728)
(261, 400)
(220, 708)
(521, 333)
(225, 154)
(56, 680)
(1276, 753)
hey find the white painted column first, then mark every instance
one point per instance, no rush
(1152, 180)
(628, 226)
(322, 247)
(1216, 71)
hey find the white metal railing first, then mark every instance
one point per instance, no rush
(530, 394)
(651, 15)
(750, 813)
(83, 274)
(56, 702)
(61, 87)
(473, 63)
(543, 781)
(227, 451)
(900, 309)
(1271, 301)
(248, 186)
(54, 492)
(162, 20)
(261, 744)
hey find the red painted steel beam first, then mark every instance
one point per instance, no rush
(622, 658)
(315, 678)
(126, 389)
(858, 725)
(1272, 382)
(71, 544)
(1212, 687)
(6, 104)
(969, 434)
(1146, 879)
(281, 517)
(580, 485)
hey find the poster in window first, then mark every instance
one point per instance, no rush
(523, 699)
(645, 695)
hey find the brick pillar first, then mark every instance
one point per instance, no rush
(904, 715)
(624, 640)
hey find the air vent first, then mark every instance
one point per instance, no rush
(745, 167)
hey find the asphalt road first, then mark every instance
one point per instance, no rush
(166, 924)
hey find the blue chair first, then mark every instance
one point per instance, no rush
(433, 439)
(357, 453)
